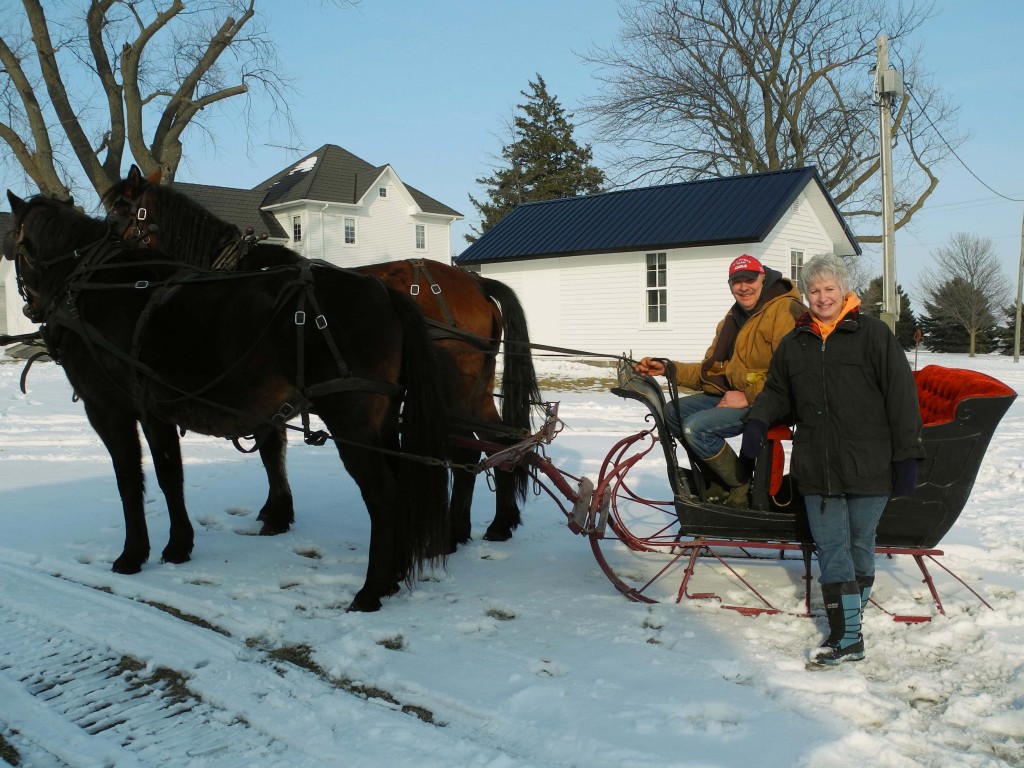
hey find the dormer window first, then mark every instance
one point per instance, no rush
(297, 229)
(382, 191)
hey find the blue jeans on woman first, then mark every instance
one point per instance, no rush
(705, 426)
(844, 528)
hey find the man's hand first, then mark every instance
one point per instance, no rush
(733, 399)
(649, 366)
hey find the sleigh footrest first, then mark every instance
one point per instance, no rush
(581, 507)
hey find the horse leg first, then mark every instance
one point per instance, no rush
(119, 434)
(379, 488)
(165, 447)
(506, 506)
(278, 513)
(463, 482)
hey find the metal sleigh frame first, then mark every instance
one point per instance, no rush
(965, 408)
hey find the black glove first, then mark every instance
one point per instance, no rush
(753, 438)
(904, 476)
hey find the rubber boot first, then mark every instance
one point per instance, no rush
(733, 473)
(864, 584)
(845, 641)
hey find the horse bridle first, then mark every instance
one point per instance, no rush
(21, 254)
(134, 229)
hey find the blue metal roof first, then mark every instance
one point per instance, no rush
(738, 209)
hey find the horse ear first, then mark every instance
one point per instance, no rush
(155, 176)
(15, 201)
(134, 174)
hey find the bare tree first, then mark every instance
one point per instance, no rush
(967, 284)
(98, 78)
(698, 88)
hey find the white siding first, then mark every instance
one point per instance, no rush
(12, 319)
(385, 228)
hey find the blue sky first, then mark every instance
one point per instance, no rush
(429, 86)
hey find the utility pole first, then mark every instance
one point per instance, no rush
(888, 87)
(1020, 289)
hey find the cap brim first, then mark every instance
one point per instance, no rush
(744, 274)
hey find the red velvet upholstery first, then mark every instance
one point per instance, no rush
(775, 436)
(940, 390)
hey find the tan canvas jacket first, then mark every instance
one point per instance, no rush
(755, 344)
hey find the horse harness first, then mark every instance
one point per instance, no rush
(62, 313)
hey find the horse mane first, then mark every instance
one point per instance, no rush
(187, 230)
(67, 224)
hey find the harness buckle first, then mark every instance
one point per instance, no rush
(321, 322)
(142, 284)
(300, 318)
(285, 413)
(141, 214)
(414, 289)
(435, 289)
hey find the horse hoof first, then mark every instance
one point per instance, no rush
(274, 529)
(364, 605)
(493, 535)
(126, 566)
(175, 557)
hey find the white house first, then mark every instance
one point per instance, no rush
(643, 271)
(333, 205)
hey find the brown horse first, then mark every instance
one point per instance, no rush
(468, 316)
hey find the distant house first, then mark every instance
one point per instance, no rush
(643, 271)
(330, 205)
(333, 205)
(12, 320)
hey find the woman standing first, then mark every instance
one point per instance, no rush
(845, 381)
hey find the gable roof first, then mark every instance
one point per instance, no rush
(328, 175)
(720, 211)
(334, 175)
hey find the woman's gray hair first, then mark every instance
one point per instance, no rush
(827, 266)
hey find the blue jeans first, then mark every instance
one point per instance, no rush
(844, 534)
(704, 426)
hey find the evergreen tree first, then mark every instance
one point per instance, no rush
(1005, 333)
(906, 323)
(542, 162)
(944, 332)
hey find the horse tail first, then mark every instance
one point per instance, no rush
(519, 388)
(423, 530)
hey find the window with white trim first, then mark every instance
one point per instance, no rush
(656, 289)
(421, 237)
(350, 231)
(296, 229)
(382, 191)
(796, 265)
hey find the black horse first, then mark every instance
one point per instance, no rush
(145, 341)
(468, 317)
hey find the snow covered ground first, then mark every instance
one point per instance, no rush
(518, 654)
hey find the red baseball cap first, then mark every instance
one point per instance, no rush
(745, 267)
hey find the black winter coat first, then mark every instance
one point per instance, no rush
(853, 400)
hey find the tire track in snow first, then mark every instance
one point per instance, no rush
(88, 678)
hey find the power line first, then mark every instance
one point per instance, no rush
(953, 151)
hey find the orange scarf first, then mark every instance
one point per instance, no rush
(851, 302)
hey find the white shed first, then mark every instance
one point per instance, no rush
(643, 271)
